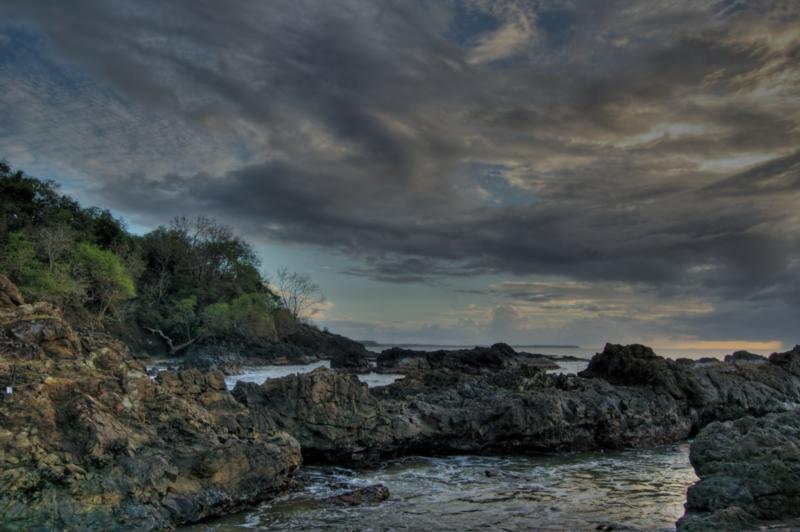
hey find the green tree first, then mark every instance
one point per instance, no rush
(248, 317)
(108, 283)
(38, 279)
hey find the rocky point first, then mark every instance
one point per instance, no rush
(89, 442)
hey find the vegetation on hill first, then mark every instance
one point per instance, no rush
(191, 281)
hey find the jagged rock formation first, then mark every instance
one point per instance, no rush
(629, 397)
(89, 442)
(477, 360)
(709, 390)
(749, 472)
(789, 361)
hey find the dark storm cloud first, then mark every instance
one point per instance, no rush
(652, 143)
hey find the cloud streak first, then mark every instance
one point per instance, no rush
(651, 144)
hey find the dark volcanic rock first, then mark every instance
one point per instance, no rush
(89, 442)
(476, 360)
(789, 361)
(279, 353)
(343, 352)
(208, 358)
(332, 414)
(749, 472)
(366, 495)
(337, 419)
(635, 365)
(633, 399)
(711, 390)
(745, 357)
(230, 356)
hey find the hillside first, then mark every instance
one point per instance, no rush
(191, 286)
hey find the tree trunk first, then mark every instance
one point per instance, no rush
(173, 349)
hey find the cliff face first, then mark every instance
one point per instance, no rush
(89, 441)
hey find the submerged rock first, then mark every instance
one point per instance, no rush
(89, 442)
(749, 472)
(366, 495)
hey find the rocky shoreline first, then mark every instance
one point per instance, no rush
(89, 441)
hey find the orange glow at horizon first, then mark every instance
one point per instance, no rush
(732, 345)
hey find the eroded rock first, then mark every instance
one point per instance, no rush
(749, 472)
(89, 442)
(630, 397)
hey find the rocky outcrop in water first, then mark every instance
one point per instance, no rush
(629, 397)
(476, 360)
(710, 390)
(749, 473)
(89, 442)
(337, 419)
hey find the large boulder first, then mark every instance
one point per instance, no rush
(89, 442)
(749, 472)
(637, 365)
(332, 414)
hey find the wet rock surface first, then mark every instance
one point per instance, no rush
(749, 473)
(89, 442)
(629, 397)
(364, 495)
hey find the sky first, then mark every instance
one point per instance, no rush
(466, 171)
